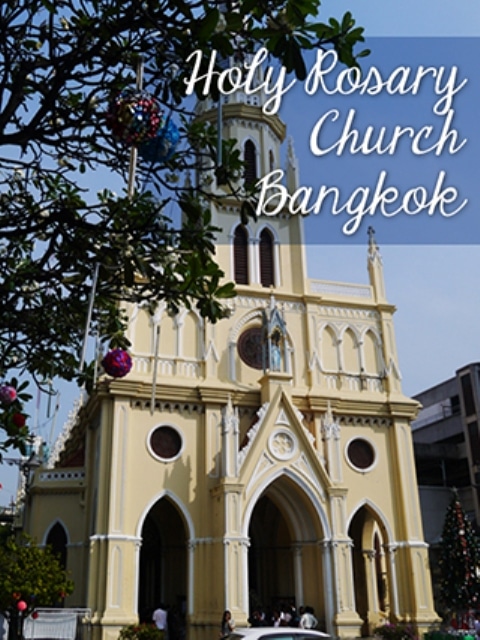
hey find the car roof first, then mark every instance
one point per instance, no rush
(254, 633)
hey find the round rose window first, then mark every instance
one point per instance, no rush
(361, 453)
(165, 442)
(250, 347)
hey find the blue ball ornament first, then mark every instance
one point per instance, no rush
(162, 147)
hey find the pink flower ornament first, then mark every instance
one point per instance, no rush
(117, 363)
(8, 394)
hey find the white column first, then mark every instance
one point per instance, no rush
(328, 585)
(179, 335)
(298, 573)
(277, 276)
(245, 545)
(341, 364)
(253, 261)
(138, 546)
(190, 576)
(372, 594)
(231, 361)
(361, 356)
(392, 578)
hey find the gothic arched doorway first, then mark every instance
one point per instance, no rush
(270, 558)
(285, 561)
(369, 568)
(163, 561)
(57, 539)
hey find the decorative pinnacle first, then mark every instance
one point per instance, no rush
(373, 250)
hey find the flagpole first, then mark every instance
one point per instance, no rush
(134, 151)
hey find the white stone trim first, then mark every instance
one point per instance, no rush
(154, 455)
(375, 454)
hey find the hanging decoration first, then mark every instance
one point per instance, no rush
(134, 116)
(8, 394)
(117, 363)
(19, 420)
(162, 147)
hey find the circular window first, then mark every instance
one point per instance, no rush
(361, 454)
(250, 347)
(165, 442)
(282, 444)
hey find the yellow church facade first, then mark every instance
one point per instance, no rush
(264, 459)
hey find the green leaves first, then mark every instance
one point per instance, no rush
(208, 25)
(30, 573)
(62, 62)
(142, 631)
(13, 419)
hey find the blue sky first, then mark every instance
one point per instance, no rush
(434, 286)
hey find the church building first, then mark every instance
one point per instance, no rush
(265, 459)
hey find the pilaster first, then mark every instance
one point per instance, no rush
(347, 621)
(331, 437)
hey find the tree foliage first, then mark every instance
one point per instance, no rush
(62, 61)
(459, 560)
(30, 574)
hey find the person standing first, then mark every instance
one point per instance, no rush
(308, 620)
(476, 625)
(228, 624)
(160, 618)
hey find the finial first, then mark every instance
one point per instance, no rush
(373, 250)
(273, 303)
(291, 152)
(328, 417)
(371, 236)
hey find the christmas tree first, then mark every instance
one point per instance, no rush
(459, 560)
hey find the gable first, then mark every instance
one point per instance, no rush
(280, 442)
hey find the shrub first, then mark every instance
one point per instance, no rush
(141, 632)
(395, 631)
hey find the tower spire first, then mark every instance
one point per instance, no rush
(375, 267)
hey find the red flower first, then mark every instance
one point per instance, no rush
(19, 420)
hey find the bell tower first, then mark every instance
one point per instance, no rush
(267, 251)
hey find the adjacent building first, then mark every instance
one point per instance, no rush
(447, 439)
(447, 451)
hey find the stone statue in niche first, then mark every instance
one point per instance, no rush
(275, 351)
(274, 339)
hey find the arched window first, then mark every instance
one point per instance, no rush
(250, 158)
(266, 259)
(240, 255)
(57, 539)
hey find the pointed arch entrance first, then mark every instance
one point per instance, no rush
(57, 539)
(163, 561)
(286, 560)
(370, 568)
